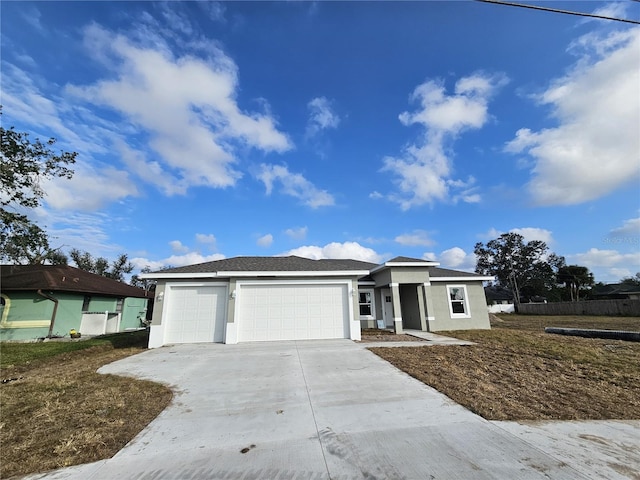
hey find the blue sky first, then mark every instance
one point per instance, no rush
(332, 129)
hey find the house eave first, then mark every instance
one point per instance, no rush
(161, 276)
(243, 274)
(303, 273)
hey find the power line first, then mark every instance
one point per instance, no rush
(556, 10)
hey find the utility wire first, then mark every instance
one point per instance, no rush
(556, 10)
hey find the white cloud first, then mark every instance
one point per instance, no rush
(85, 231)
(185, 106)
(321, 116)
(532, 233)
(151, 172)
(611, 9)
(454, 257)
(32, 16)
(178, 247)
(182, 254)
(23, 100)
(607, 265)
(630, 227)
(265, 240)
(89, 189)
(214, 10)
(594, 149)
(206, 239)
(414, 239)
(189, 258)
(298, 233)
(294, 184)
(352, 250)
(529, 234)
(423, 172)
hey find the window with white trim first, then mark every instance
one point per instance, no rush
(458, 301)
(366, 303)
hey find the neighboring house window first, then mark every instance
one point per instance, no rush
(119, 304)
(366, 303)
(85, 303)
(458, 303)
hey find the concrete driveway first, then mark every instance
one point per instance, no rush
(318, 410)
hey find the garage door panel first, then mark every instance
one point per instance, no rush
(292, 312)
(195, 314)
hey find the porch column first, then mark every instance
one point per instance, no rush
(428, 303)
(423, 317)
(397, 309)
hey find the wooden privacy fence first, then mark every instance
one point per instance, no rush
(622, 308)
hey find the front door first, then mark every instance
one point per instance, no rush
(387, 307)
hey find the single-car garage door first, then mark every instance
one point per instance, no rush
(195, 314)
(292, 312)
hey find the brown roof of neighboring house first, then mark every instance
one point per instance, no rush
(272, 264)
(63, 278)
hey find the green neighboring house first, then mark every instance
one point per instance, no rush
(50, 300)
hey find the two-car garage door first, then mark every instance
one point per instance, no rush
(292, 312)
(263, 312)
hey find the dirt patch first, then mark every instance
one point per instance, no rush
(515, 373)
(60, 412)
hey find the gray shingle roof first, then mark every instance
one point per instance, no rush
(272, 264)
(407, 260)
(300, 264)
(435, 272)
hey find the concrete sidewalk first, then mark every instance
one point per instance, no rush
(314, 410)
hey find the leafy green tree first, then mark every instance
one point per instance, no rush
(25, 164)
(115, 270)
(528, 269)
(145, 283)
(575, 279)
(24, 242)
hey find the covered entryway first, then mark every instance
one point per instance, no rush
(292, 311)
(195, 313)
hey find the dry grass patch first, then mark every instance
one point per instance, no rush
(376, 335)
(519, 373)
(539, 322)
(60, 412)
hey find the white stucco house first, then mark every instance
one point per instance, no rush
(248, 299)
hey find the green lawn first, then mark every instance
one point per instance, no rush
(15, 353)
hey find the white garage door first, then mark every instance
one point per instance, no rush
(292, 312)
(195, 314)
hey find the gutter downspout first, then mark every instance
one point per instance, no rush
(55, 310)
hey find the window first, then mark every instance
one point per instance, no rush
(119, 304)
(366, 303)
(85, 303)
(458, 306)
